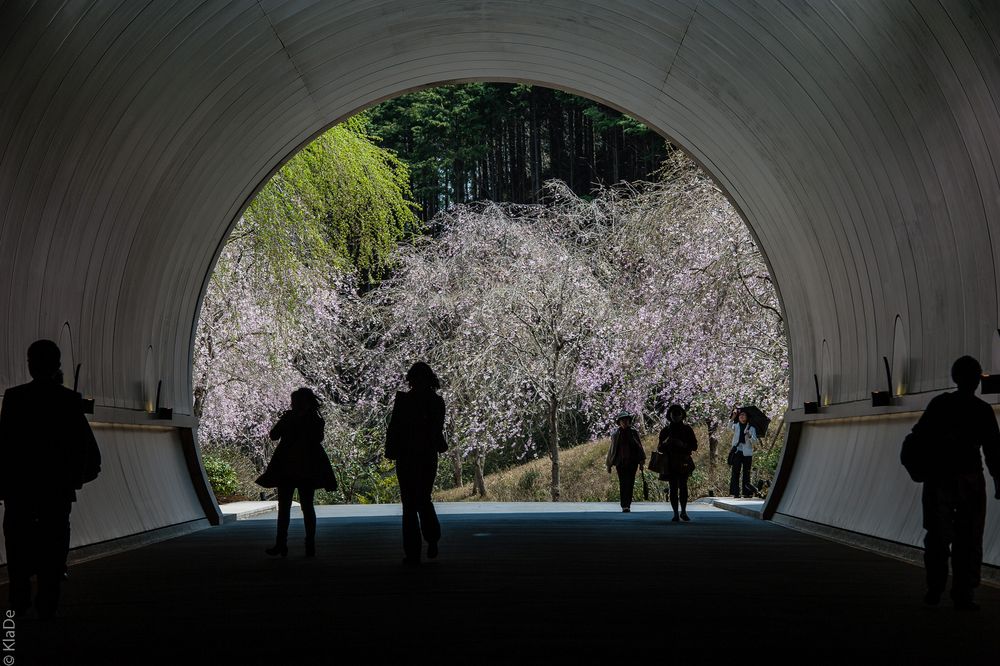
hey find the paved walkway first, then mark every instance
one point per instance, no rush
(514, 584)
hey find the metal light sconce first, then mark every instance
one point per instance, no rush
(813, 407)
(990, 384)
(163, 413)
(884, 398)
(86, 403)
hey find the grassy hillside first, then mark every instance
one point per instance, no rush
(585, 479)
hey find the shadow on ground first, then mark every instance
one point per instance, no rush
(508, 588)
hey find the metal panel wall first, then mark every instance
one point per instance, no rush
(847, 475)
(144, 485)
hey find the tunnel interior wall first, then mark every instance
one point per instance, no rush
(848, 476)
(144, 485)
(859, 140)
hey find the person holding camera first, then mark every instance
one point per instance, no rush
(299, 461)
(741, 455)
(47, 452)
(677, 442)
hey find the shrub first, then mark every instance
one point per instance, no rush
(221, 475)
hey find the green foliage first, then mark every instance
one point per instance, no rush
(221, 475)
(341, 203)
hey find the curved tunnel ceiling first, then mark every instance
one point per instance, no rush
(858, 139)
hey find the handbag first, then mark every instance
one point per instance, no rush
(657, 462)
(732, 459)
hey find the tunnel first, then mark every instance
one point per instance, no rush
(859, 141)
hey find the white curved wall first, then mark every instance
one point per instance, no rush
(144, 485)
(847, 475)
(858, 139)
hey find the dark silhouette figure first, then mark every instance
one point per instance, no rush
(677, 442)
(627, 456)
(741, 455)
(47, 453)
(954, 427)
(299, 462)
(414, 438)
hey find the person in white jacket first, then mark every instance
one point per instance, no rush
(744, 440)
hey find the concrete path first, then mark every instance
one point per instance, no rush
(514, 584)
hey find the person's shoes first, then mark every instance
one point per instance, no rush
(277, 550)
(675, 519)
(432, 550)
(411, 561)
(684, 517)
(932, 598)
(310, 548)
(625, 509)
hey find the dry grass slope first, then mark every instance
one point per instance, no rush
(585, 479)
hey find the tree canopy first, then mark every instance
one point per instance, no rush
(502, 142)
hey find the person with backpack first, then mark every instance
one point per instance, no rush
(627, 456)
(677, 442)
(943, 452)
(741, 455)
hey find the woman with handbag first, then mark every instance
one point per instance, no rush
(414, 439)
(741, 455)
(677, 442)
(300, 462)
(627, 456)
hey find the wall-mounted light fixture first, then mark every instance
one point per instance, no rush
(86, 403)
(813, 407)
(990, 383)
(163, 413)
(884, 398)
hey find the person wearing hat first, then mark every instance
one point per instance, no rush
(677, 442)
(625, 455)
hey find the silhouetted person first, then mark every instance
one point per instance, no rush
(414, 438)
(744, 436)
(47, 453)
(299, 462)
(677, 442)
(954, 426)
(626, 455)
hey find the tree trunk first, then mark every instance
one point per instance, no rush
(456, 466)
(554, 446)
(536, 147)
(479, 484)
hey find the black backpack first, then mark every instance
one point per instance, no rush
(915, 456)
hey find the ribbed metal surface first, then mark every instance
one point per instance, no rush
(859, 140)
(847, 475)
(144, 485)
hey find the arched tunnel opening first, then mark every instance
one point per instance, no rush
(856, 139)
(303, 294)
